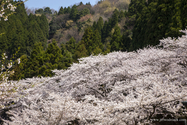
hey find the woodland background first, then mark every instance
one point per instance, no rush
(45, 39)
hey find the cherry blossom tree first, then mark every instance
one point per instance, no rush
(117, 88)
(6, 9)
(7, 89)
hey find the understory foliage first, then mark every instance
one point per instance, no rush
(117, 88)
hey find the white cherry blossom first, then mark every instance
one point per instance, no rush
(117, 88)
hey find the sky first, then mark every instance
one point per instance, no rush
(55, 4)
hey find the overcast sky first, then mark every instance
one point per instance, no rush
(55, 4)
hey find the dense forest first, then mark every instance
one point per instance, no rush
(46, 40)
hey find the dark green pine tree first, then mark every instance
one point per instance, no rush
(100, 24)
(121, 15)
(81, 4)
(47, 10)
(84, 12)
(88, 3)
(44, 25)
(176, 23)
(114, 19)
(104, 32)
(11, 30)
(67, 59)
(125, 41)
(184, 13)
(94, 26)
(63, 48)
(67, 10)
(61, 11)
(21, 13)
(87, 39)
(70, 45)
(109, 27)
(158, 19)
(80, 51)
(15, 32)
(74, 13)
(39, 11)
(140, 25)
(35, 61)
(97, 46)
(116, 40)
(134, 10)
(20, 39)
(35, 27)
(53, 56)
(32, 39)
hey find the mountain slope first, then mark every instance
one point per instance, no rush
(118, 88)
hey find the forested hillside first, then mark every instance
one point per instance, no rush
(102, 64)
(120, 88)
(48, 39)
(22, 30)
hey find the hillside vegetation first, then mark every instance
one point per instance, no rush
(84, 30)
(117, 88)
(117, 62)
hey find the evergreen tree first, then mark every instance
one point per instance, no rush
(39, 11)
(81, 4)
(44, 25)
(109, 27)
(114, 19)
(176, 23)
(70, 45)
(107, 48)
(116, 40)
(10, 38)
(97, 46)
(121, 15)
(125, 41)
(100, 24)
(74, 13)
(67, 59)
(104, 32)
(94, 26)
(53, 55)
(158, 19)
(35, 62)
(61, 11)
(84, 12)
(88, 3)
(63, 48)
(35, 27)
(21, 13)
(20, 39)
(138, 31)
(80, 50)
(67, 10)
(184, 13)
(47, 10)
(87, 40)
(52, 59)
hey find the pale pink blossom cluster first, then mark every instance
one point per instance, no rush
(119, 88)
(9, 6)
(5, 69)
